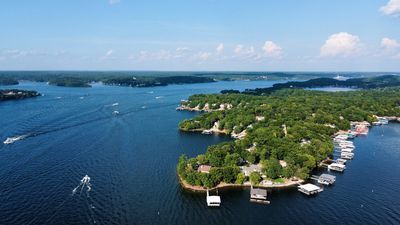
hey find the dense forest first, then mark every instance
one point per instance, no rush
(14, 94)
(158, 78)
(289, 125)
(83, 79)
(359, 83)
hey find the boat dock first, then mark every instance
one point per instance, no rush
(325, 179)
(336, 167)
(258, 195)
(309, 189)
(213, 200)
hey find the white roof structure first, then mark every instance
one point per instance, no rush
(309, 187)
(337, 165)
(213, 200)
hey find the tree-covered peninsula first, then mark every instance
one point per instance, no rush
(85, 78)
(279, 136)
(15, 94)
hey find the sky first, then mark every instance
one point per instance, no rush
(200, 35)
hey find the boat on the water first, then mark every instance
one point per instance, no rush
(11, 140)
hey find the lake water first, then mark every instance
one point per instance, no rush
(131, 160)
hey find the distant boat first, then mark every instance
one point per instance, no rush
(342, 78)
(13, 139)
(115, 113)
(158, 97)
(115, 104)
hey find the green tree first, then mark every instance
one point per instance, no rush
(240, 178)
(255, 178)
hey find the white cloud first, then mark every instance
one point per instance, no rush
(390, 47)
(238, 49)
(109, 52)
(272, 50)
(113, 2)
(389, 44)
(181, 52)
(220, 48)
(242, 50)
(341, 44)
(203, 55)
(391, 8)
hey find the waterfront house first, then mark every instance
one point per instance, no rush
(247, 170)
(204, 169)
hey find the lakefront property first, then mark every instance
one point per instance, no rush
(299, 131)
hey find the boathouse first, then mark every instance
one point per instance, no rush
(309, 189)
(258, 195)
(213, 200)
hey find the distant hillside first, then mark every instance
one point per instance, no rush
(361, 83)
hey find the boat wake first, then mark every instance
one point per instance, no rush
(84, 184)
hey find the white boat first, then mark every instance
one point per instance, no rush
(115, 113)
(115, 104)
(13, 139)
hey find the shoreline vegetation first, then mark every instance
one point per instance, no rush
(15, 94)
(156, 78)
(284, 135)
(222, 185)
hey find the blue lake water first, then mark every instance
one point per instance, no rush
(131, 160)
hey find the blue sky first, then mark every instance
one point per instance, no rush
(227, 35)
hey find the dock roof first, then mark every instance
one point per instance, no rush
(338, 165)
(327, 177)
(214, 199)
(258, 191)
(309, 187)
